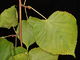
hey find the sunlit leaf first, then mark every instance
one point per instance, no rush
(57, 34)
(27, 33)
(6, 49)
(35, 54)
(39, 54)
(9, 18)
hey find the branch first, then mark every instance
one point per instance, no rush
(15, 37)
(8, 36)
(20, 22)
(29, 7)
(25, 10)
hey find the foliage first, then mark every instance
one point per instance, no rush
(9, 18)
(27, 33)
(55, 36)
(6, 49)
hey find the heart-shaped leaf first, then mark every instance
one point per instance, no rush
(39, 54)
(9, 18)
(35, 54)
(27, 33)
(6, 49)
(57, 34)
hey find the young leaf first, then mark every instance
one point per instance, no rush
(19, 50)
(20, 56)
(9, 18)
(57, 34)
(27, 33)
(39, 54)
(6, 49)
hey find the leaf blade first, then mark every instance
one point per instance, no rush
(27, 33)
(9, 18)
(39, 54)
(58, 34)
(6, 49)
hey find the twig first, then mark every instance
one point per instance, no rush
(8, 36)
(15, 37)
(38, 13)
(20, 22)
(29, 7)
(25, 10)
(15, 41)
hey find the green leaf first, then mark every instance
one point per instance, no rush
(57, 34)
(6, 49)
(35, 54)
(27, 33)
(19, 50)
(21, 56)
(9, 18)
(39, 54)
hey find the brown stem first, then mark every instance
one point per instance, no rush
(15, 37)
(8, 36)
(29, 7)
(20, 22)
(25, 10)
